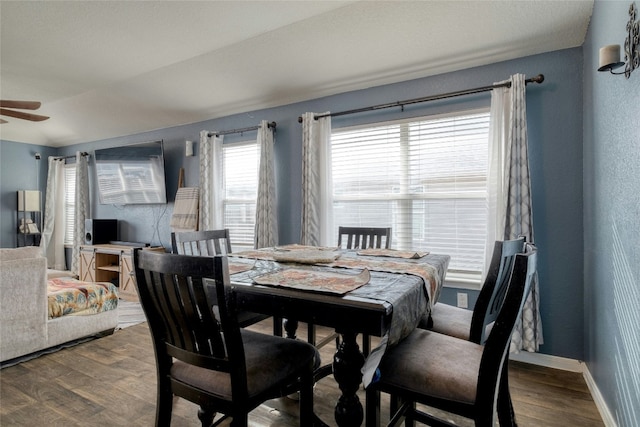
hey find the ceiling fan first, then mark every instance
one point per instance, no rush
(7, 108)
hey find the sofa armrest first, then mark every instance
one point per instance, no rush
(23, 306)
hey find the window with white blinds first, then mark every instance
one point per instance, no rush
(240, 166)
(69, 202)
(425, 177)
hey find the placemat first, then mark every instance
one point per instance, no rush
(237, 267)
(313, 280)
(393, 253)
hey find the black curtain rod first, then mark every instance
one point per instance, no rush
(537, 79)
(83, 153)
(227, 132)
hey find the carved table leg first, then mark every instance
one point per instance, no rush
(347, 363)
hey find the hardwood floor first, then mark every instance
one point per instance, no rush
(111, 382)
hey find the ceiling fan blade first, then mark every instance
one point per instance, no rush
(21, 115)
(21, 105)
(3, 121)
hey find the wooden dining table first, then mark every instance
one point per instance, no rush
(381, 293)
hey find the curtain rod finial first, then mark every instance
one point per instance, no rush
(538, 79)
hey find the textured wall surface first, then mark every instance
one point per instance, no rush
(612, 207)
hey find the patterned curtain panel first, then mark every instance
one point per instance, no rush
(206, 171)
(211, 181)
(266, 229)
(82, 207)
(527, 334)
(510, 194)
(317, 200)
(52, 242)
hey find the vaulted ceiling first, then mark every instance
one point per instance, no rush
(110, 68)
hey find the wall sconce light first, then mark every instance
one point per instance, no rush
(610, 55)
(188, 151)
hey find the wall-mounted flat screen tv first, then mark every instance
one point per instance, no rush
(131, 174)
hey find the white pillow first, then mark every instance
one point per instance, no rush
(54, 274)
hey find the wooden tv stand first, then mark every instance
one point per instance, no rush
(111, 263)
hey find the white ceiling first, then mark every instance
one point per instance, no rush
(114, 68)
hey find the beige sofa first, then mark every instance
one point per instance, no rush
(24, 324)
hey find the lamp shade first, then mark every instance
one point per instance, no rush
(29, 200)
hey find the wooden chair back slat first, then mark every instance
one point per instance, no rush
(201, 243)
(178, 304)
(494, 289)
(365, 237)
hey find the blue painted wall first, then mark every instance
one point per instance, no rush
(611, 212)
(19, 171)
(555, 138)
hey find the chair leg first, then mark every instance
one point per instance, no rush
(240, 420)
(206, 416)
(311, 334)
(306, 399)
(366, 344)
(277, 326)
(372, 408)
(164, 404)
(506, 415)
(410, 410)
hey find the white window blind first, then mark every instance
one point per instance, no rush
(69, 203)
(240, 165)
(426, 178)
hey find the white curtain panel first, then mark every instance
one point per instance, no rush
(52, 242)
(510, 211)
(317, 200)
(211, 182)
(82, 208)
(266, 229)
(496, 181)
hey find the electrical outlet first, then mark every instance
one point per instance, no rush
(463, 301)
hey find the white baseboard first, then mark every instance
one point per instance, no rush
(571, 365)
(605, 413)
(548, 361)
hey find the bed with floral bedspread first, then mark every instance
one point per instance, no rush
(68, 296)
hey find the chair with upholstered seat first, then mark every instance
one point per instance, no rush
(354, 238)
(210, 243)
(364, 237)
(451, 374)
(202, 354)
(473, 325)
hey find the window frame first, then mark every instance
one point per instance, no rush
(69, 204)
(233, 231)
(454, 279)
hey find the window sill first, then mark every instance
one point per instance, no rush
(462, 281)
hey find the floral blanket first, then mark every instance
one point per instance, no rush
(67, 296)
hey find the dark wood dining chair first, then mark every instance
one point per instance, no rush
(364, 237)
(201, 243)
(450, 374)
(474, 324)
(211, 243)
(202, 354)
